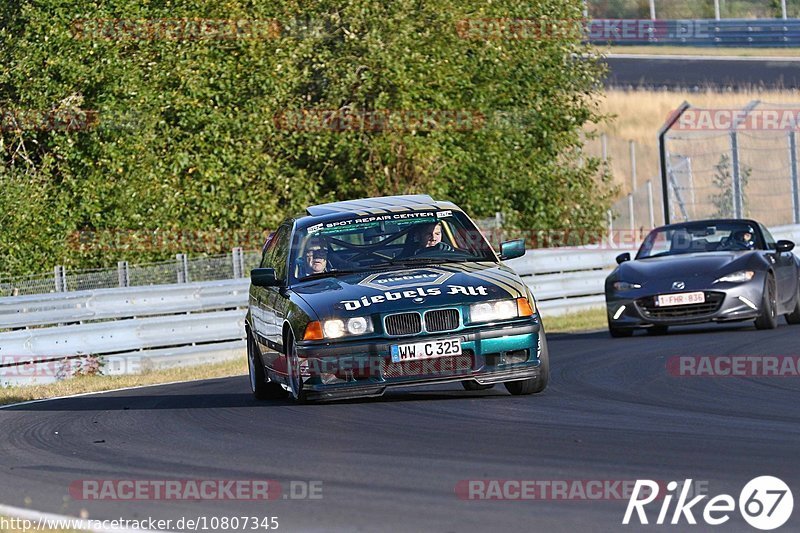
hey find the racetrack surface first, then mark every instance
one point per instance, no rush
(654, 72)
(391, 464)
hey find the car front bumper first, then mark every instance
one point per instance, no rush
(363, 367)
(737, 302)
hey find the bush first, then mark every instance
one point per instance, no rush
(171, 135)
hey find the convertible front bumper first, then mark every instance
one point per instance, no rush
(489, 355)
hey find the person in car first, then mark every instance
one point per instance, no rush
(429, 236)
(743, 239)
(314, 259)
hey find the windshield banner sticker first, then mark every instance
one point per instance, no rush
(390, 296)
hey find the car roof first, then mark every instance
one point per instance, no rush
(381, 205)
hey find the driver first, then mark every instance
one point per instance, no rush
(744, 239)
(314, 259)
(429, 236)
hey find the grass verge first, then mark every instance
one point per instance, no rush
(589, 320)
(82, 384)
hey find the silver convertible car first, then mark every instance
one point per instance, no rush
(704, 271)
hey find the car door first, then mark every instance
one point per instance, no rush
(270, 325)
(785, 271)
(259, 314)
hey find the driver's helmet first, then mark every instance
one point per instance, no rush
(744, 237)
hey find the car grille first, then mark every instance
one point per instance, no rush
(439, 366)
(711, 305)
(403, 324)
(441, 320)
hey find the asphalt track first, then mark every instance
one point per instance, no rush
(700, 72)
(392, 464)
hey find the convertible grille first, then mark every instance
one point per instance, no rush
(711, 305)
(403, 324)
(441, 320)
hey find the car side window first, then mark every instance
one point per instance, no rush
(280, 256)
(269, 248)
(770, 240)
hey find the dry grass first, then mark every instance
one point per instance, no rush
(78, 385)
(590, 320)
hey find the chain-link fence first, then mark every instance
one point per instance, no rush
(237, 264)
(734, 163)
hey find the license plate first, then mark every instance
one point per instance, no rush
(684, 298)
(425, 350)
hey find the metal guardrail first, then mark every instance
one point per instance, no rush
(181, 324)
(699, 32)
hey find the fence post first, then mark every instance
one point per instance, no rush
(182, 267)
(604, 146)
(716, 9)
(650, 206)
(238, 262)
(652, 9)
(737, 183)
(795, 183)
(632, 218)
(633, 165)
(122, 274)
(610, 218)
(60, 278)
(783, 10)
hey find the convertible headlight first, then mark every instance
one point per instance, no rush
(737, 277)
(625, 286)
(500, 310)
(339, 328)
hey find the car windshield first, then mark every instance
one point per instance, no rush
(698, 238)
(397, 239)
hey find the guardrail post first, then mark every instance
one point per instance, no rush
(60, 278)
(237, 258)
(182, 268)
(122, 274)
(795, 183)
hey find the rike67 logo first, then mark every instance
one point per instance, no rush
(765, 503)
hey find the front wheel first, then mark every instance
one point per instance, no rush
(794, 316)
(537, 384)
(768, 319)
(293, 371)
(260, 385)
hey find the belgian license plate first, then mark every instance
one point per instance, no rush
(425, 350)
(684, 298)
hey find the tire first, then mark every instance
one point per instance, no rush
(657, 330)
(474, 385)
(260, 385)
(768, 319)
(293, 372)
(618, 333)
(794, 316)
(537, 384)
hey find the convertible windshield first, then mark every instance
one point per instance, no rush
(395, 239)
(698, 238)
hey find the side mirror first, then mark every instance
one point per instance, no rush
(263, 277)
(784, 246)
(621, 258)
(512, 249)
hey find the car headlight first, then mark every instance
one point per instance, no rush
(500, 310)
(336, 328)
(737, 277)
(625, 286)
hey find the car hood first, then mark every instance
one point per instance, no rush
(686, 265)
(409, 288)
